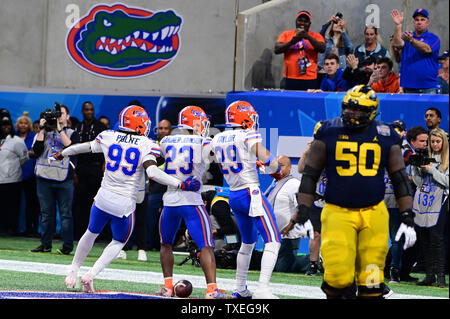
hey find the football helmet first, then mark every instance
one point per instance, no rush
(359, 107)
(241, 114)
(134, 119)
(194, 118)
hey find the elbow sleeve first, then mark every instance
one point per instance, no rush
(400, 181)
(154, 173)
(310, 177)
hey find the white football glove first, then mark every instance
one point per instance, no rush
(410, 235)
(305, 230)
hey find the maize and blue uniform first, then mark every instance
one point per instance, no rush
(185, 156)
(116, 199)
(355, 221)
(232, 150)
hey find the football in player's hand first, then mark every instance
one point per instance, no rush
(183, 288)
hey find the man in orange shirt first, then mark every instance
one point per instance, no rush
(301, 48)
(384, 80)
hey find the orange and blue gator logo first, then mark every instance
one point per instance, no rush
(122, 42)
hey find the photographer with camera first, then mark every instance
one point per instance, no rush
(430, 174)
(13, 154)
(54, 179)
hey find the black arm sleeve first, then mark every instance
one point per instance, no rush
(38, 148)
(400, 181)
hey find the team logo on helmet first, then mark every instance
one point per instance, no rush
(124, 42)
(134, 119)
(363, 99)
(241, 114)
(194, 118)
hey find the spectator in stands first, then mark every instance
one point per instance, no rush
(431, 206)
(433, 118)
(337, 41)
(300, 48)
(155, 195)
(282, 195)
(36, 127)
(443, 73)
(383, 79)
(13, 155)
(105, 120)
(395, 51)
(420, 51)
(88, 170)
(371, 46)
(333, 80)
(354, 75)
(24, 131)
(54, 181)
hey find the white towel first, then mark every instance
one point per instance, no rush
(256, 205)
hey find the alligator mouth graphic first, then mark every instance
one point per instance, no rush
(144, 41)
(118, 39)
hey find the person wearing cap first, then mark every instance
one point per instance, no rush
(354, 75)
(383, 79)
(13, 155)
(443, 73)
(371, 46)
(419, 56)
(300, 48)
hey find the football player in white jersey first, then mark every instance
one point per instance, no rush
(237, 152)
(185, 156)
(128, 153)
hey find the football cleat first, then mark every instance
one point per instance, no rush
(88, 283)
(264, 293)
(71, 280)
(134, 119)
(194, 118)
(244, 294)
(241, 114)
(165, 292)
(122, 255)
(359, 107)
(142, 255)
(218, 294)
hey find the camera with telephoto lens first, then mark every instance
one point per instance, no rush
(420, 158)
(51, 117)
(339, 15)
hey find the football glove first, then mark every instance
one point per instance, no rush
(407, 228)
(260, 165)
(303, 224)
(191, 184)
(305, 230)
(55, 157)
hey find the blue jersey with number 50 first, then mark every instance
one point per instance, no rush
(124, 154)
(356, 162)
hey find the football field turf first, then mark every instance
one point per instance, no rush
(23, 271)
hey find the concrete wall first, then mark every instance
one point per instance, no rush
(33, 53)
(259, 27)
(33, 33)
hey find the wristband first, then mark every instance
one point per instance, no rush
(407, 217)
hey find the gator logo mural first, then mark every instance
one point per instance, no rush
(123, 42)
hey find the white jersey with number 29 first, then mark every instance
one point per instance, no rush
(232, 150)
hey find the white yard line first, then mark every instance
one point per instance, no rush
(156, 278)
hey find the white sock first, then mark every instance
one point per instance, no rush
(83, 248)
(268, 261)
(242, 263)
(109, 254)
